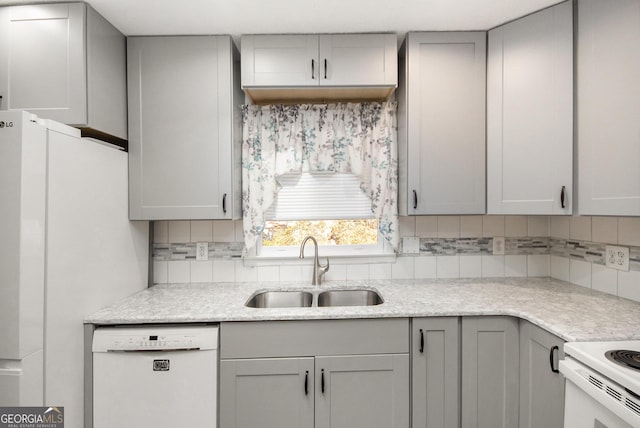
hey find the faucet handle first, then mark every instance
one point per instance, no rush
(323, 269)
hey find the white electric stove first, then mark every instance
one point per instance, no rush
(603, 384)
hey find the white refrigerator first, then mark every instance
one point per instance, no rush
(67, 248)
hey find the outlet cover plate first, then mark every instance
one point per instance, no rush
(410, 245)
(498, 246)
(202, 251)
(617, 257)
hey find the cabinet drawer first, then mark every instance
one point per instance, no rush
(317, 337)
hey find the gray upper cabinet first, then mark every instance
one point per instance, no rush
(279, 60)
(67, 63)
(608, 85)
(435, 368)
(530, 114)
(490, 372)
(441, 123)
(358, 60)
(319, 67)
(541, 385)
(184, 128)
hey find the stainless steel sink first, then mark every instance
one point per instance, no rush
(281, 299)
(349, 298)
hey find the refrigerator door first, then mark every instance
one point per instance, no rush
(21, 381)
(95, 256)
(22, 234)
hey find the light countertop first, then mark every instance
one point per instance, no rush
(569, 311)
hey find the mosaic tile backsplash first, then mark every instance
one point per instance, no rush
(567, 248)
(592, 252)
(428, 247)
(187, 251)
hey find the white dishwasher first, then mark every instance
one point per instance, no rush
(155, 376)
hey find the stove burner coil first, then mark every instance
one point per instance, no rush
(624, 358)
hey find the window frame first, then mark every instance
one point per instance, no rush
(382, 252)
(381, 248)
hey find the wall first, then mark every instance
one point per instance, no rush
(579, 240)
(566, 248)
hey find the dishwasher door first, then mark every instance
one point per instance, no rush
(155, 377)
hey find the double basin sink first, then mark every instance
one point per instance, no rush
(305, 299)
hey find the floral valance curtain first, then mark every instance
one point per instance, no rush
(356, 138)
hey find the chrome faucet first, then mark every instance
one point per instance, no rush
(318, 270)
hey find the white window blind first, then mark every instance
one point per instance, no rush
(319, 196)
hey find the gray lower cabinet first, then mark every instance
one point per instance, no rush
(435, 365)
(541, 385)
(490, 372)
(267, 392)
(362, 391)
(469, 372)
(323, 374)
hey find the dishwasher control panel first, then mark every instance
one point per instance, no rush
(153, 341)
(145, 338)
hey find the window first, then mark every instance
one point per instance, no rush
(327, 140)
(330, 207)
(327, 232)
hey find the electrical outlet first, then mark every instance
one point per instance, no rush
(202, 251)
(617, 257)
(498, 246)
(410, 245)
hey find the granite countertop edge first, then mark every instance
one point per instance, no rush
(571, 312)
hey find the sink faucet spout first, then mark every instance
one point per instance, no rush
(318, 269)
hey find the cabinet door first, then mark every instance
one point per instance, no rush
(267, 393)
(358, 60)
(608, 75)
(530, 114)
(370, 391)
(106, 76)
(179, 127)
(4, 56)
(435, 364)
(541, 389)
(442, 124)
(44, 66)
(490, 372)
(280, 60)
